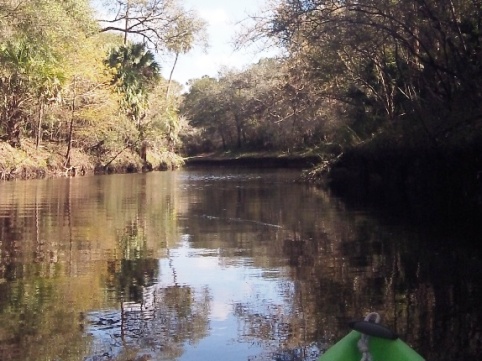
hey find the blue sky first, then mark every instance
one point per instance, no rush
(221, 16)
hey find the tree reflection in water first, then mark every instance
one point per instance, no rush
(190, 265)
(160, 323)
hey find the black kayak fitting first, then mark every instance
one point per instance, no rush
(371, 328)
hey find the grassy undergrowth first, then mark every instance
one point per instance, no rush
(49, 160)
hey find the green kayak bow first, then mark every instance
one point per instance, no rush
(370, 341)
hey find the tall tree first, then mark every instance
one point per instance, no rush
(87, 98)
(206, 106)
(188, 32)
(156, 23)
(135, 74)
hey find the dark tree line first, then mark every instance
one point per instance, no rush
(353, 71)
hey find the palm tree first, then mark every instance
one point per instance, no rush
(135, 73)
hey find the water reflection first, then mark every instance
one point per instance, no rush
(231, 264)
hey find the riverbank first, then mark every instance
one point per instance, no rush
(426, 185)
(255, 160)
(431, 184)
(48, 160)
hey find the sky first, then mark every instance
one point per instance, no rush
(221, 17)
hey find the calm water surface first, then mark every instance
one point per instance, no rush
(220, 265)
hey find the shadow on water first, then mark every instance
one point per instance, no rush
(425, 279)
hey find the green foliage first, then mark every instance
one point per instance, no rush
(135, 72)
(410, 61)
(29, 73)
(57, 85)
(38, 38)
(265, 107)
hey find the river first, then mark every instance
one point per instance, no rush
(221, 264)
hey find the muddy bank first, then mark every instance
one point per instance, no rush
(255, 161)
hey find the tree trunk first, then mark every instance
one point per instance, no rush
(143, 151)
(39, 125)
(170, 75)
(13, 117)
(127, 23)
(71, 132)
(239, 130)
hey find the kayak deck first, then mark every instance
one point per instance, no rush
(381, 350)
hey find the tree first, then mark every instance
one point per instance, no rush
(188, 32)
(37, 39)
(156, 23)
(50, 79)
(135, 73)
(399, 62)
(265, 106)
(163, 123)
(28, 74)
(204, 108)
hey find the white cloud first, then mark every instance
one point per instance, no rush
(215, 16)
(220, 311)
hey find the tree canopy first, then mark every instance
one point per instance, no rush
(354, 71)
(66, 78)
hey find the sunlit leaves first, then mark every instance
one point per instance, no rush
(41, 37)
(29, 73)
(135, 72)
